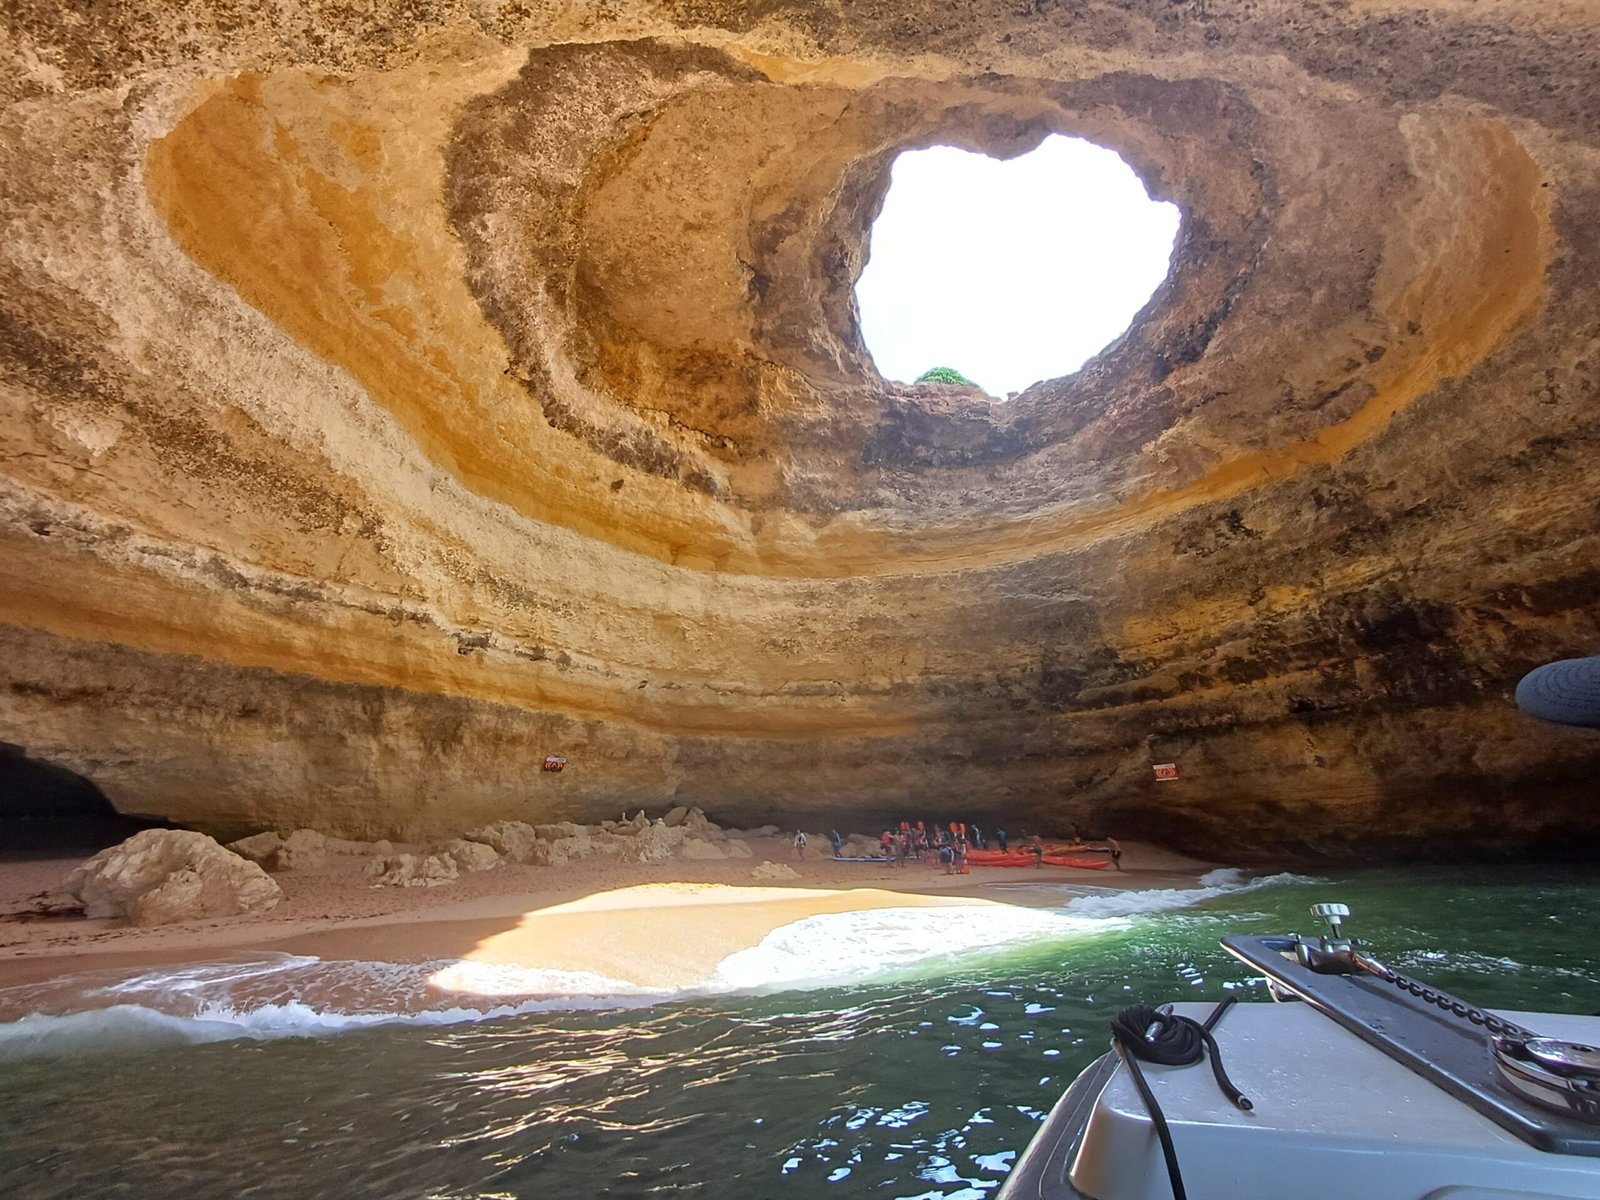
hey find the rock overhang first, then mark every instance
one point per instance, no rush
(551, 399)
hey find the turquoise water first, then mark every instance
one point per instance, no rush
(921, 1081)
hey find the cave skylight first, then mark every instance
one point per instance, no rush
(1009, 271)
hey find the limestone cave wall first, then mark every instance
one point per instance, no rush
(390, 398)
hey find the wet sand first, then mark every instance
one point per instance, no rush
(663, 925)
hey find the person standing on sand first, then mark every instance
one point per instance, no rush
(799, 844)
(1037, 846)
(1116, 852)
(1000, 836)
(838, 843)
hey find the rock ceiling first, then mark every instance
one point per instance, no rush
(394, 397)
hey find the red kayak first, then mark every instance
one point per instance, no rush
(1025, 858)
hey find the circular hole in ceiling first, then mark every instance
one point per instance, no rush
(1010, 271)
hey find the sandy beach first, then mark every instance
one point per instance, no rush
(662, 925)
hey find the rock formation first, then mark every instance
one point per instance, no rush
(259, 848)
(166, 875)
(414, 870)
(697, 848)
(515, 840)
(392, 399)
(302, 849)
(470, 856)
(775, 872)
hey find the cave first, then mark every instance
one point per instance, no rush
(391, 403)
(48, 811)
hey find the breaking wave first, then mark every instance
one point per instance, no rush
(137, 1026)
(284, 996)
(855, 945)
(1228, 881)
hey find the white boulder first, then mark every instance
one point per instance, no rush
(698, 826)
(564, 850)
(300, 851)
(470, 856)
(516, 840)
(258, 848)
(654, 843)
(772, 870)
(415, 870)
(165, 875)
(699, 848)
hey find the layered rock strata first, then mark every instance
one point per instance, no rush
(390, 402)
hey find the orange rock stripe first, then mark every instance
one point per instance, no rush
(237, 193)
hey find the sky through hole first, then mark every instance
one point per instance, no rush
(1010, 272)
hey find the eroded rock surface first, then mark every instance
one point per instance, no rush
(166, 875)
(414, 870)
(470, 856)
(260, 848)
(385, 406)
(300, 851)
(775, 872)
(515, 840)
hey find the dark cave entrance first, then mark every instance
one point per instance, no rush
(48, 811)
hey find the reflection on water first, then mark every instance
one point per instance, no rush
(925, 1087)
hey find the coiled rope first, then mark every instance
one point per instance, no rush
(1142, 1032)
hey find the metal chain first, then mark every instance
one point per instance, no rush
(1450, 1004)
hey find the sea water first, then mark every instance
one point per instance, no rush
(905, 1053)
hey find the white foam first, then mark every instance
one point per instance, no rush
(855, 945)
(509, 979)
(1228, 881)
(208, 978)
(137, 1026)
(1484, 964)
(121, 1026)
(283, 996)
(352, 988)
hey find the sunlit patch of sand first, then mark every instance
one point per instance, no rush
(668, 936)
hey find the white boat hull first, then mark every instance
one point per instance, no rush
(1334, 1118)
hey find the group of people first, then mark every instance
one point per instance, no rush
(948, 846)
(945, 846)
